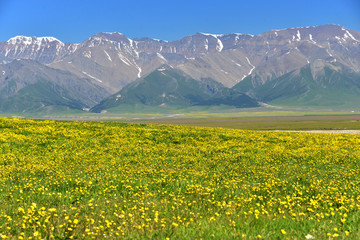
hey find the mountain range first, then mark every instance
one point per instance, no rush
(306, 66)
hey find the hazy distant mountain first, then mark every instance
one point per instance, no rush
(278, 52)
(26, 85)
(316, 84)
(112, 61)
(167, 86)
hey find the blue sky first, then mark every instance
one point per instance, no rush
(75, 20)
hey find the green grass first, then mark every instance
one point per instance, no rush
(34, 97)
(96, 180)
(266, 123)
(215, 116)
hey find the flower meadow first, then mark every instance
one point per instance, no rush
(108, 180)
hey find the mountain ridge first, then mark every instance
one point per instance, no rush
(112, 61)
(167, 86)
(26, 85)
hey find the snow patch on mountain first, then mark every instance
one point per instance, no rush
(124, 59)
(237, 64)
(311, 39)
(117, 97)
(349, 35)
(206, 45)
(108, 56)
(219, 46)
(327, 50)
(139, 69)
(161, 57)
(136, 52)
(212, 35)
(156, 40)
(92, 76)
(113, 33)
(7, 52)
(251, 70)
(32, 40)
(253, 67)
(87, 54)
(131, 42)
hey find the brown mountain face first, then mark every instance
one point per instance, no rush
(112, 61)
(278, 52)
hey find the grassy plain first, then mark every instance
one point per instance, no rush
(320, 122)
(97, 180)
(263, 118)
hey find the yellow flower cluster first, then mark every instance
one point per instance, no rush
(94, 180)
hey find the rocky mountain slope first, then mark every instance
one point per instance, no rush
(167, 86)
(42, 49)
(112, 61)
(316, 84)
(26, 85)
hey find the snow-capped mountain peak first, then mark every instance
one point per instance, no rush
(228, 58)
(212, 35)
(32, 40)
